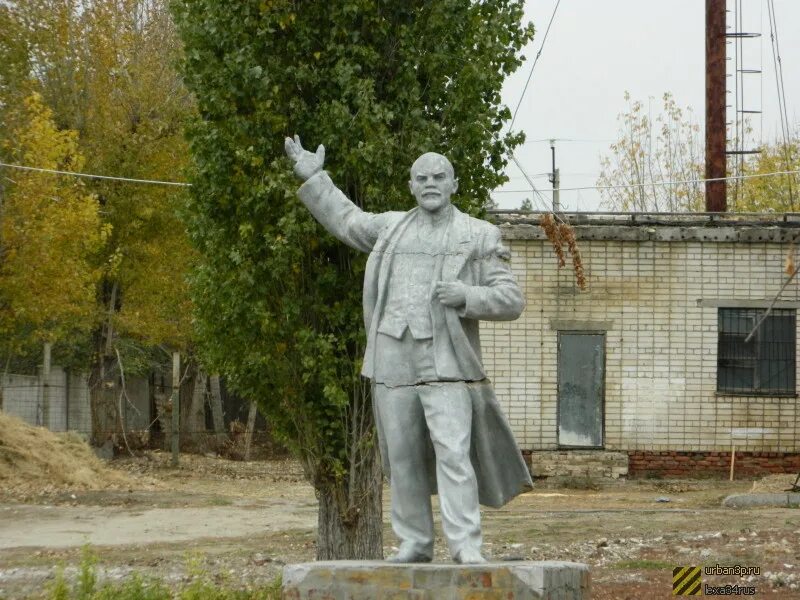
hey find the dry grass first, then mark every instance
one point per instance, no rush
(774, 483)
(34, 459)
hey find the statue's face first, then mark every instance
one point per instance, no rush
(432, 181)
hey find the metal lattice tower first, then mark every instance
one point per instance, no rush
(744, 67)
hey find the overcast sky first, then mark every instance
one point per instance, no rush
(595, 51)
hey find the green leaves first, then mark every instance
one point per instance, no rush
(378, 83)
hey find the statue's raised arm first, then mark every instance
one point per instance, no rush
(328, 204)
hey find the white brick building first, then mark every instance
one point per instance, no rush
(643, 367)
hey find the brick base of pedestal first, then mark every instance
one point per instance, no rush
(375, 580)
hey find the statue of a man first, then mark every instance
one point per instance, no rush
(432, 274)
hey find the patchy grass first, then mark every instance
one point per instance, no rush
(220, 501)
(579, 482)
(630, 540)
(87, 585)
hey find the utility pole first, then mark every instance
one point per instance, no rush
(555, 179)
(715, 106)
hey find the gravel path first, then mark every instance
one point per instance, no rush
(67, 526)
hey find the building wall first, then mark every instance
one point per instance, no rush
(656, 293)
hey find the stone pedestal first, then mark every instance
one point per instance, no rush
(377, 580)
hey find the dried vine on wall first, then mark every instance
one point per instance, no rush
(562, 234)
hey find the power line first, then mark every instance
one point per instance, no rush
(93, 176)
(581, 141)
(778, 63)
(533, 66)
(549, 174)
(653, 183)
(537, 194)
(524, 173)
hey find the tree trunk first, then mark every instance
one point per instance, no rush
(195, 424)
(251, 425)
(351, 530)
(109, 333)
(103, 400)
(216, 409)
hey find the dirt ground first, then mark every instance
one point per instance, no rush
(240, 522)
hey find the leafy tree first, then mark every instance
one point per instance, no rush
(15, 65)
(669, 149)
(106, 68)
(526, 205)
(51, 235)
(779, 193)
(133, 123)
(278, 300)
(648, 150)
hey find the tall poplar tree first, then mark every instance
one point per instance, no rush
(278, 300)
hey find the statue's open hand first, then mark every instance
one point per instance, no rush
(306, 163)
(451, 293)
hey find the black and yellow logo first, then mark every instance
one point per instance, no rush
(686, 581)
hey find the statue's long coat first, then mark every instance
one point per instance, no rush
(475, 256)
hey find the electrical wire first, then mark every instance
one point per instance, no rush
(93, 176)
(779, 73)
(778, 64)
(654, 183)
(537, 194)
(582, 141)
(533, 66)
(519, 165)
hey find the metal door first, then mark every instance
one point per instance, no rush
(581, 387)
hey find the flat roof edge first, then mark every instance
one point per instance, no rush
(662, 233)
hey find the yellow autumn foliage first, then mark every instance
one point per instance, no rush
(651, 150)
(106, 68)
(52, 236)
(136, 106)
(778, 193)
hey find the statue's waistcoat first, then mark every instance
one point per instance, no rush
(410, 286)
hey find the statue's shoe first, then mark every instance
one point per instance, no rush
(469, 556)
(408, 556)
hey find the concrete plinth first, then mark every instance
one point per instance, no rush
(376, 580)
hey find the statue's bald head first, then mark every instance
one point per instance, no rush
(432, 181)
(433, 159)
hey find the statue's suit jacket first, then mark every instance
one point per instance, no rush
(475, 256)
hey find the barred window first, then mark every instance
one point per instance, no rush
(766, 364)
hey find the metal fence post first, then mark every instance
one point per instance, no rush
(176, 406)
